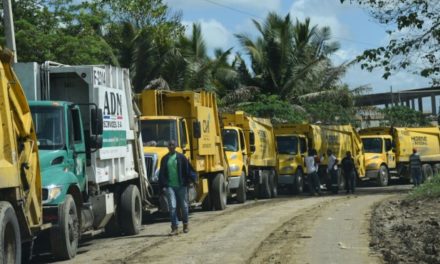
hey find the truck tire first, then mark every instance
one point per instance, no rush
(298, 184)
(10, 243)
(437, 169)
(383, 176)
(65, 236)
(273, 183)
(241, 191)
(219, 195)
(131, 210)
(427, 172)
(264, 188)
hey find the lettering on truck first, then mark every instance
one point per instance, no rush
(112, 110)
(419, 140)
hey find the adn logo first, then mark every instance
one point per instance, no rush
(206, 124)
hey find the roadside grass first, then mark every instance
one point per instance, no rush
(429, 189)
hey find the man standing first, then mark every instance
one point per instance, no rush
(174, 178)
(349, 170)
(332, 170)
(312, 173)
(415, 167)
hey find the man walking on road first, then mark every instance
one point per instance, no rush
(312, 172)
(415, 167)
(174, 178)
(332, 170)
(349, 169)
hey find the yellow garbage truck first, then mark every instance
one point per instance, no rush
(387, 151)
(294, 141)
(20, 181)
(191, 120)
(250, 148)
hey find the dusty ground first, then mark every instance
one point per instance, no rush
(407, 232)
(327, 229)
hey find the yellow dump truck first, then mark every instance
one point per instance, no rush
(295, 140)
(250, 148)
(387, 151)
(191, 120)
(20, 182)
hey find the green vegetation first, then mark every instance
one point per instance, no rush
(429, 189)
(285, 73)
(404, 117)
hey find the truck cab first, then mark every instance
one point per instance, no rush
(235, 146)
(157, 132)
(380, 157)
(292, 148)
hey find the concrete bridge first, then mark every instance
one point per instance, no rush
(411, 98)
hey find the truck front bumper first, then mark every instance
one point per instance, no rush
(233, 182)
(372, 174)
(286, 179)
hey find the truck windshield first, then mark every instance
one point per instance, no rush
(230, 140)
(372, 145)
(287, 145)
(49, 125)
(158, 133)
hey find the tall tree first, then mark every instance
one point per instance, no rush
(414, 37)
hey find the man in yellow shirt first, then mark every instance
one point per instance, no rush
(174, 178)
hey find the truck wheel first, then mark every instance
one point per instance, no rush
(219, 194)
(131, 210)
(298, 184)
(382, 177)
(64, 237)
(264, 188)
(273, 184)
(241, 191)
(437, 167)
(10, 243)
(426, 172)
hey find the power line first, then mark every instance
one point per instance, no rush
(234, 9)
(261, 18)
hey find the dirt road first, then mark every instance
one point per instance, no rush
(327, 229)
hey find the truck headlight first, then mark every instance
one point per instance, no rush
(233, 156)
(372, 166)
(53, 191)
(234, 167)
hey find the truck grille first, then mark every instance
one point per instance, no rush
(150, 163)
(45, 194)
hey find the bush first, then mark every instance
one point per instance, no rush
(429, 189)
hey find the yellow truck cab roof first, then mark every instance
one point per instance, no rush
(160, 117)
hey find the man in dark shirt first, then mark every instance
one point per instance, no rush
(415, 167)
(349, 169)
(175, 176)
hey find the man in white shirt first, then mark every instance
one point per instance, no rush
(332, 170)
(312, 172)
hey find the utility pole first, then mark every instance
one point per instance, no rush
(9, 27)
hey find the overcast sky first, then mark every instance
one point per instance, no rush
(350, 24)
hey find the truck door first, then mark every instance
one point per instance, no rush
(184, 139)
(390, 155)
(303, 152)
(77, 145)
(243, 149)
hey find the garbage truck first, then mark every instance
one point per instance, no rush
(250, 148)
(90, 151)
(387, 151)
(294, 142)
(191, 120)
(20, 185)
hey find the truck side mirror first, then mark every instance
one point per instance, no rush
(96, 121)
(96, 142)
(197, 129)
